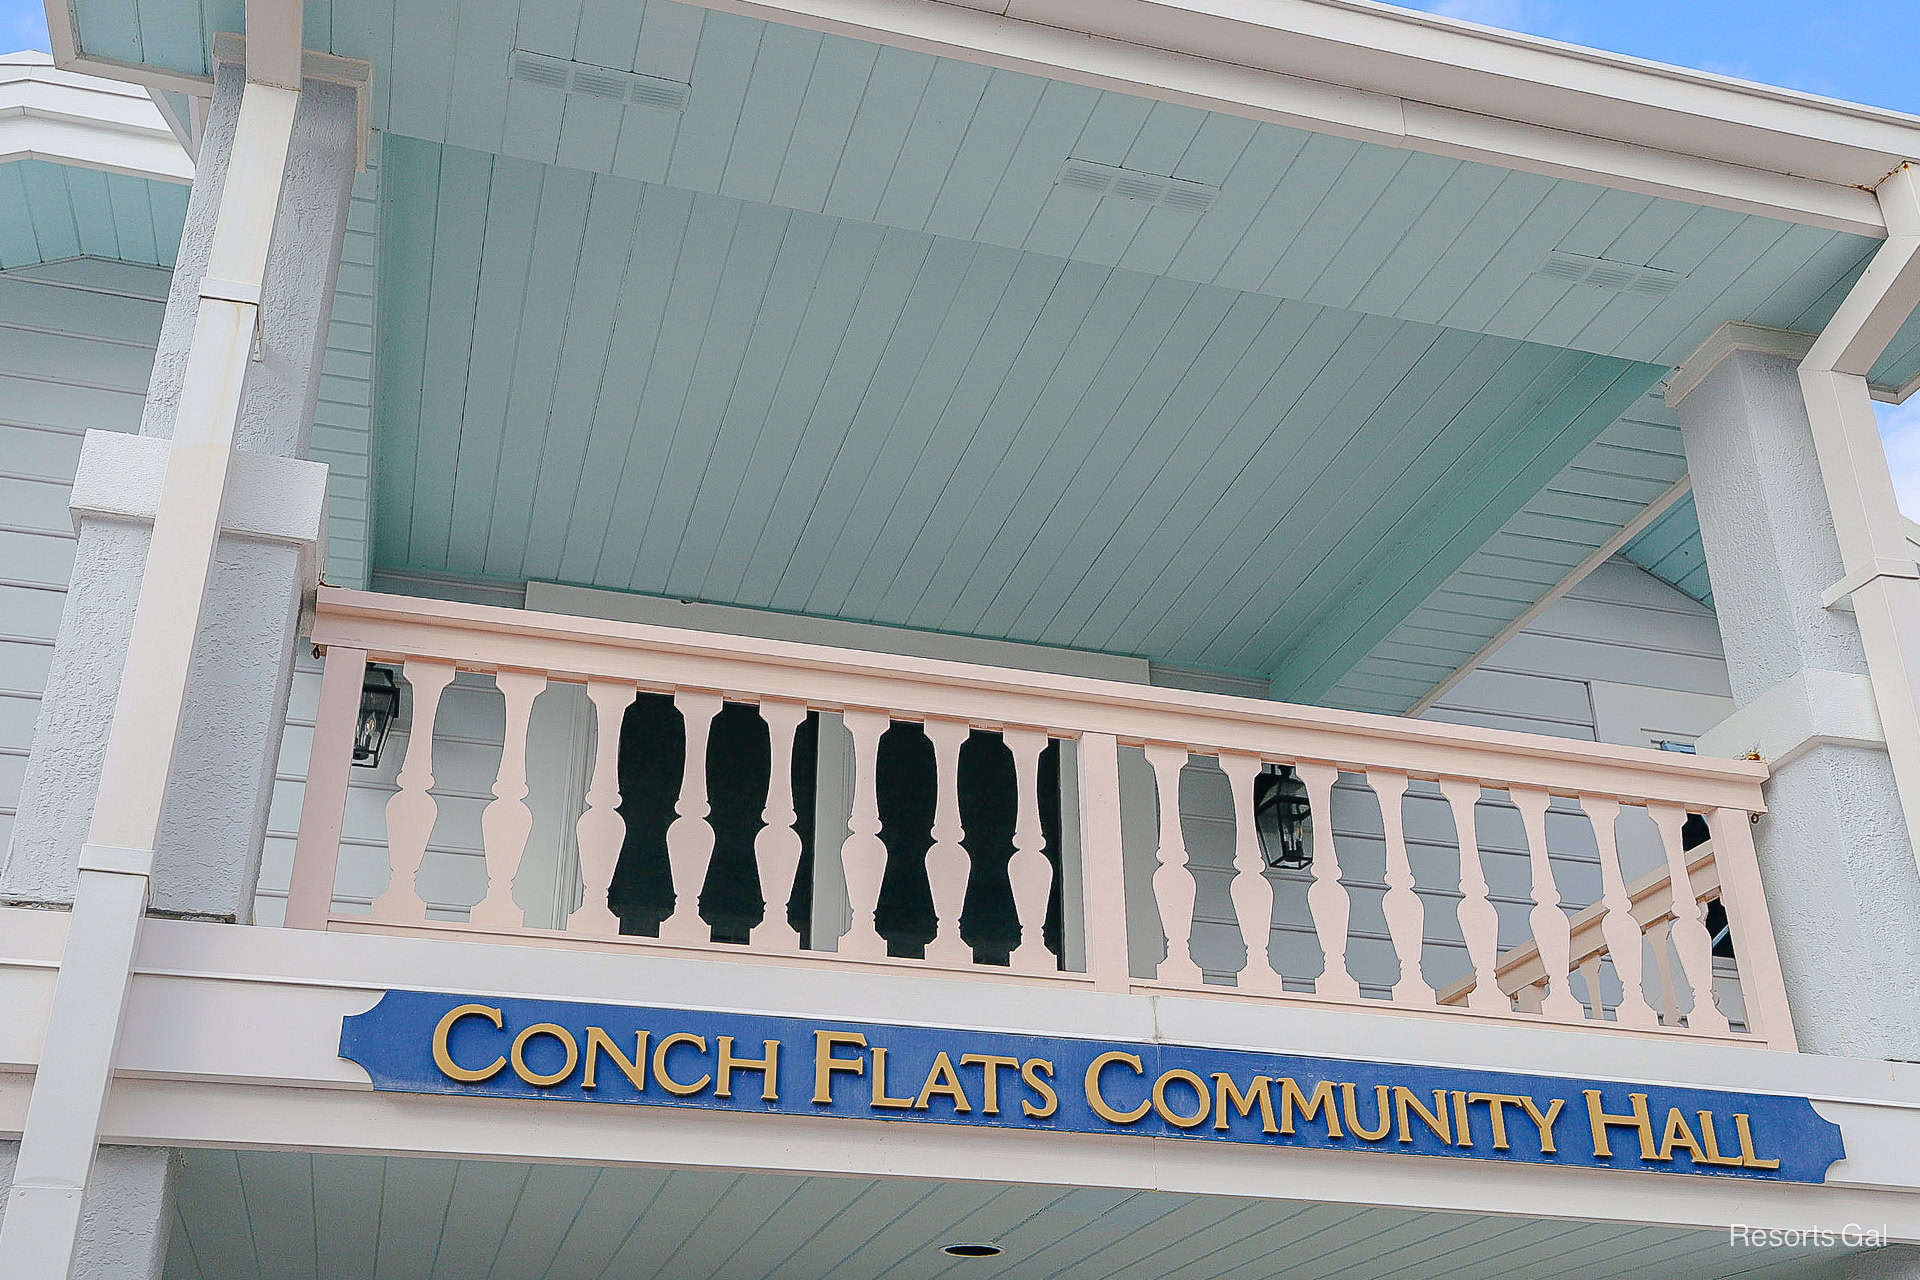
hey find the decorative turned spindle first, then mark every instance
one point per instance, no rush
(1173, 882)
(1028, 872)
(776, 849)
(1622, 932)
(690, 838)
(411, 811)
(601, 830)
(948, 866)
(507, 821)
(1251, 891)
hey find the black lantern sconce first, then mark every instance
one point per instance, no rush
(1280, 815)
(379, 707)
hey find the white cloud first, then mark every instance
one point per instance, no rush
(1900, 434)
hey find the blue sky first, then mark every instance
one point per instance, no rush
(1861, 50)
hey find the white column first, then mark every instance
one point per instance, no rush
(198, 627)
(1833, 849)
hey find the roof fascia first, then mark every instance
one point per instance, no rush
(1683, 136)
(47, 114)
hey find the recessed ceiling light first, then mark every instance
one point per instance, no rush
(973, 1249)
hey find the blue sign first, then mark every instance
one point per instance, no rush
(429, 1042)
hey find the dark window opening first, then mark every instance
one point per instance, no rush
(732, 900)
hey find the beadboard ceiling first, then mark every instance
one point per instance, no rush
(1670, 550)
(284, 1216)
(51, 212)
(834, 125)
(836, 339)
(596, 380)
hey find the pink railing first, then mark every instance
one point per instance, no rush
(1532, 981)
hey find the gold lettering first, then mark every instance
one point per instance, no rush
(1462, 1135)
(1743, 1125)
(991, 1064)
(598, 1042)
(560, 1033)
(1321, 1103)
(667, 1082)
(1543, 1121)
(1038, 1073)
(943, 1081)
(881, 1098)
(1199, 1088)
(1384, 1115)
(444, 1060)
(1436, 1120)
(1259, 1093)
(825, 1063)
(1636, 1119)
(1711, 1141)
(1098, 1101)
(1496, 1113)
(768, 1067)
(1678, 1135)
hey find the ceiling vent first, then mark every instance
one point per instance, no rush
(1621, 277)
(588, 81)
(1130, 184)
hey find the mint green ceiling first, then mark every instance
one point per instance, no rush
(50, 212)
(833, 340)
(1610, 482)
(1670, 550)
(828, 124)
(603, 381)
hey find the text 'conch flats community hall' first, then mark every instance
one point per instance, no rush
(985, 639)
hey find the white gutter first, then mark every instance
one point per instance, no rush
(1881, 580)
(1383, 74)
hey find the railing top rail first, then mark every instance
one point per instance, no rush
(488, 637)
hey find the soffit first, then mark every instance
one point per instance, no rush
(598, 381)
(50, 212)
(258, 1214)
(1635, 460)
(825, 123)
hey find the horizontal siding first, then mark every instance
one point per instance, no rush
(76, 349)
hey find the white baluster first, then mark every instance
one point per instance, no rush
(1690, 940)
(863, 856)
(776, 849)
(948, 866)
(1479, 922)
(1028, 872)
(1621, 930)
(1660, 936)
(601, 831)
(1552, 934)
(690, 838)
(411, 811)
(1406, 918)
(1173, 882)
(1251, 891)
(506, 822)
(1327, 898)
(1590, 975)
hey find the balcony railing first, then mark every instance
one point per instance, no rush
(1425, 857)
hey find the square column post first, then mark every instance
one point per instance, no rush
(151, 769)
(1834, 851)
